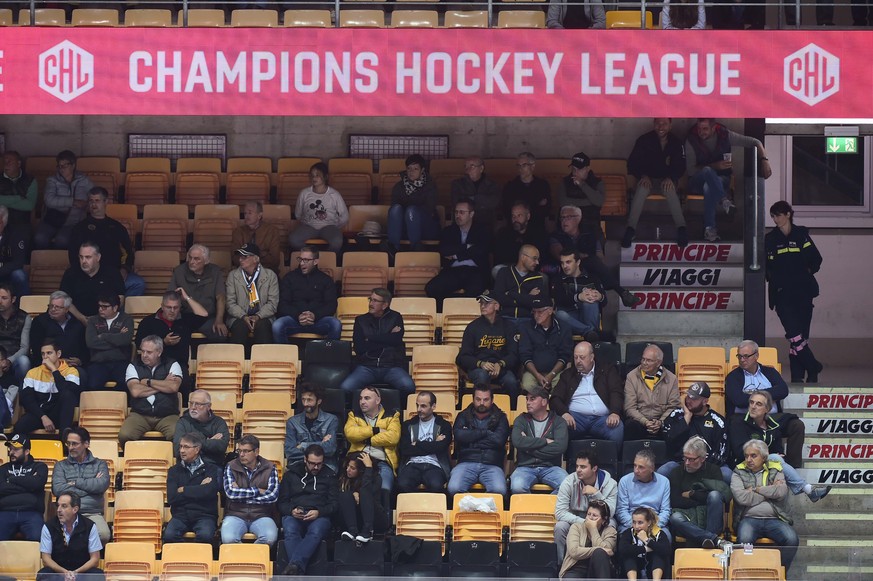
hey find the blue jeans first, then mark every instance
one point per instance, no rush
(233, 528)
(330, 327)
(466, 474)
(681, 526)
(583, 319)
(303, 537)
(20, 283)
(507, 380)
(204, 529)
(20, 367)
(415, 221)
(751, 529)
(364, 375)
(595, 427)
(668, 467)
(28, 522)
(713, 187)
(134, 285)
(386, 473)
(792, 478)
(523, 477)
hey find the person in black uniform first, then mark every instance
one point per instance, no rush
(792, 261)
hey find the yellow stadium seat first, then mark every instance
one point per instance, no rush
(521, 19)
(103, 171)
(434, 369)
(224, 406)
(364, 271)
(107, 450)
(444, 408)
(415, 19)
(532, 517)
(129, 561)
(307, 18)
(102, 413)
(627, 19)
(46, 270)
(244, 561)
(390, 168)
(248, 178)
(156, 268)
(20, 559)
(412, 271)
(148, 18)
(186, 562)
(49, 452)
(360, 214)
(353, 177)
(165, 227)
(95, 17)
(146, 463)
(264, 414)
(759, 564)
(147, 180)
(279, 215)
(701, 364)
(458, 312)
(204, 18)
(44, 17)
(422, 515)
(126, 215)
(141, 307)
(478, 526)
(220, 368)
(466, 19)
(697, 564)
(250, 18)
(274, 451)
(214, 226)
(347, 309)
(419, 320)
(362, 19)
(273, 368)
(5, 17)
(198, 180)
(139, 516)
(34, 305)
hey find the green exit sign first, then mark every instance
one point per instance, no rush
(841, 145)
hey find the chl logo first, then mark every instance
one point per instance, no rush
(812, 74)
(66, 71)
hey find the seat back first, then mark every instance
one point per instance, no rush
(186, 562)
(352, 177)
(95, 17)
(273, 368)
(415, 19)
(198, 180)
(20, 559)
(103, 171)
(220, 368)
(165, 227)
(627, 19)
(458, 312)
(326, 362)
(46, 270)
(532, 517)
(251, 18)
(697, 564)
(214, 225)
(630, 448)
(130, 560)
(147, 180)
(466, 19)
(102, 413)
(633, 353)
(156, 268)
(250, 561)
(701, 364)
(205, 18)
(521, 19)
(364, 271)
(606, 452)
(293, 172)
(43, 17)
(412, 271)
(307, 18)
(419, 320)
(126, 214)
(148, 18)
(362, 19)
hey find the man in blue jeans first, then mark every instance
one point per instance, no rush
(579, 296)
(307, 301)
(480, 434)
(307, 499)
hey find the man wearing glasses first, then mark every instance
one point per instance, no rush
(379, 349)
(204, 282)
(307, 301)
(517, 286)
(749, 377)
(57, 323)
(251, 484)
(108, 335)
(480, 189)
(85, 475)
(651, 393)
(193, 485)
(212, 429)
(66, 203)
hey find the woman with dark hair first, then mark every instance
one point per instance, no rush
(321, 212)
(792, 261)
(683, 14)
(360, 506)
(413, 206)
(644, 547)
(590, 545)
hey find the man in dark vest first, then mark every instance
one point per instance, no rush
(18, 190)
(153, 382)
(70, 544)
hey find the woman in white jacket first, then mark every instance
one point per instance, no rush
(321, 212)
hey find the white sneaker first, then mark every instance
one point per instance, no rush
(347, 535)
(363, 539)
(710, 234)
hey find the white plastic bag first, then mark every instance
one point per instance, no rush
(473, 504)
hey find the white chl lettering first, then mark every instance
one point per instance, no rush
(671, 74)
(1, 71)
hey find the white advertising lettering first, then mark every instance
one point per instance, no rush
(695, 73)
(1, 70)
(66, 71)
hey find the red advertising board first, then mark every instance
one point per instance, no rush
(451, 72)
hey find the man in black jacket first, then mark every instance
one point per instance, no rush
(464, 247)
(579, 297)
(307, 301)
(379, 350)
(57, 323)
(49, 394)
(489, 349)
(22, 492)
(307, 499)
(193, 486)
(516, 286)
(480, 432)
(153, 382)
(545, 347)
(424, 448)
(481, 190)
(70, 545)
(658, 162)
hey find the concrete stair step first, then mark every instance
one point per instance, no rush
(833, 558)
(724, 329)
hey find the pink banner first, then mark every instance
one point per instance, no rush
(453, 72)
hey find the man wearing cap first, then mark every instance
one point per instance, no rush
(262, 234)
(204, 282)
(307, 301)
(544, 348)
(590, 397)
(22, 492)
(489, 349)
(583, 188)
(658, 162)
(252, 299)
(579, 296)
(651, 393)
(464, 247)
(695, 418)
(540, 440)
(69, 544)
(516, 286)
(526, 187)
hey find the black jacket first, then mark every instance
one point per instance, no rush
(481, 441)
(792, 262)
(300, 292)
(375, 345)
(608, 384)
(484, 193)
(22, 486)
(649, 159)
(110, 235)
(71, 337)
(410, 445)
(544, 347)
(508, 243)
(301, 489)
(73, 554)
(737, 398)
(512, 290)
(711, 426)
(197, 500)
(486, 342)
(13, 250)
(743, 429)
(537, 194)
(184, 326)
(477, 247)
(566, 289)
